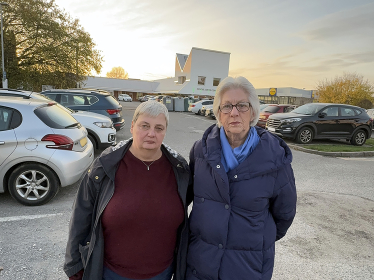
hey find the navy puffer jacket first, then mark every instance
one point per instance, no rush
(237, 216)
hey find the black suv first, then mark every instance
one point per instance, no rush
(323, 121)
(101, 102)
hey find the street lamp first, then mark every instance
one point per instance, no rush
(5, 81)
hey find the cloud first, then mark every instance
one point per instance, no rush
(348, 23)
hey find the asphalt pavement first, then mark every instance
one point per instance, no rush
(332, 236)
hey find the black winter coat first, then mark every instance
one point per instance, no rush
(85, 247)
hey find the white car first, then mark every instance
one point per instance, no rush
(99, 127)
(371, 114)
(124, 97)
(196, 107)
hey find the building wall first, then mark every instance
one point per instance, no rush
(209, 64)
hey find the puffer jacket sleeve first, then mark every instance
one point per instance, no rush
(80, 225)
(283, 201)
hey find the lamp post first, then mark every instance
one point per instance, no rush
(5, 81)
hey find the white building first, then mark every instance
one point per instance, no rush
(197, 74)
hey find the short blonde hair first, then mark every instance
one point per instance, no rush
(151, 108)
(234, 83)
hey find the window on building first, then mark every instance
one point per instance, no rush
(181, 79)
(216, 81)
(201, 80)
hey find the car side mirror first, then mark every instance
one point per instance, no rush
(322, 115)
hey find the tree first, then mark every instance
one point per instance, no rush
(45, 46)
(350, 88)
(117, 73)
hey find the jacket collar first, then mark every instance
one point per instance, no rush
(271, 153)
(111, 157)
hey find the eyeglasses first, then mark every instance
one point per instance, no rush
(241, 107)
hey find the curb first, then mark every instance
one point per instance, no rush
(333, 154)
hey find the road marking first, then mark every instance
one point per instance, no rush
(29, 217)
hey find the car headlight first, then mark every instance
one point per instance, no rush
(292, 120)
(103, 124)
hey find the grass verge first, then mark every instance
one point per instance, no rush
(335, 147)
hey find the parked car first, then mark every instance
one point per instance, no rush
(209, 112)
(124, 97)
(196, 107)
(42, 148)
(273, 109)
(371, 114)
(100, 102)
(146, 98)
(99, 127)
(204, 108)
(323, 121)
(159, 98)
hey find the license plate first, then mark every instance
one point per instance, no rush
(83, 141)
(271, 129)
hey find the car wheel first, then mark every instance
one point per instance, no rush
(198, 113)
(93, 140)
(304, 136)
(359, 138)
(33, 184)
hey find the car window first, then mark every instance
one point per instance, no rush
(112, 101)
(331, 111)
(288, 109)
(79, 100)
(271, 109)
(347, 112)
(358, 112)
(5, 118)
(54, 116)
(207, 102)
(51, 96)
(92, 99)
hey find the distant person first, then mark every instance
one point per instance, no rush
(129, 219)
(244, 191)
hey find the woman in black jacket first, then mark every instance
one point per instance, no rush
(129, 219)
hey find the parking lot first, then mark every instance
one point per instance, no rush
(332, 236)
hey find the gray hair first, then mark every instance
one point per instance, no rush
(235, 83)
(151, 108)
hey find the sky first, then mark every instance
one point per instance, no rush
(273, 43)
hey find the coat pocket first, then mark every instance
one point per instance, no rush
(83, 250)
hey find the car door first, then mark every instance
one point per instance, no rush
(8, 139)
(328, 122)
(349, 120)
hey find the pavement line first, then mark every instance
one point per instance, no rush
(29, 217)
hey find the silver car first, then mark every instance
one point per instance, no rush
(99, 127)
(42, 147)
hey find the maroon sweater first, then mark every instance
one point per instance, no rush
(141, 220)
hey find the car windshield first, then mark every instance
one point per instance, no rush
(309, 109)
(271, 109)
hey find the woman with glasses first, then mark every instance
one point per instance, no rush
(244, 191)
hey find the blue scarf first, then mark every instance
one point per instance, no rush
(230, 157)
